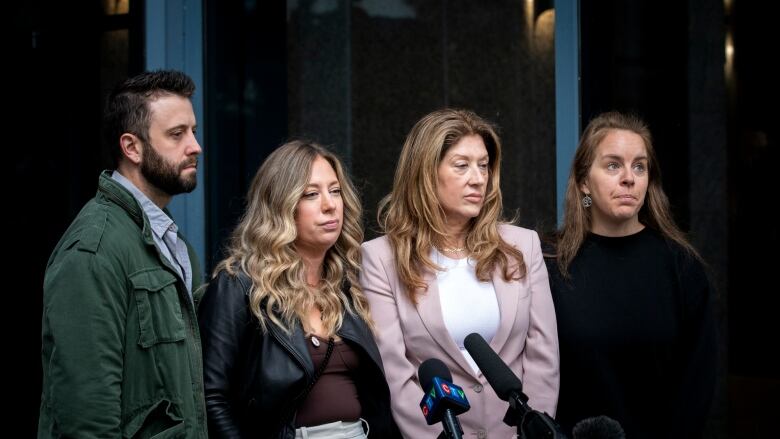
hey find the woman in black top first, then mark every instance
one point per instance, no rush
(633, 303)
(287, 341)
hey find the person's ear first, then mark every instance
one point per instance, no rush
(131, 147)
(584, 187)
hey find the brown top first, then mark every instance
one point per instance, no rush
(334, 397)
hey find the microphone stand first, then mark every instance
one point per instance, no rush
(452, 428)
(531, 424)
(518, 408)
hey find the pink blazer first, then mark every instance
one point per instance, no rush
(407, 335)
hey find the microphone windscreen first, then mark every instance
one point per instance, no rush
(431, 368)
(501, 378)
(600, 427)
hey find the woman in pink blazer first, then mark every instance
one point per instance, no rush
(447, 268)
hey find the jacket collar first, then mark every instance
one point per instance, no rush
(352, 329)
(295, 343)
(111, 190)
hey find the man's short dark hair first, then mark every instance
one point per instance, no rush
(127, 110)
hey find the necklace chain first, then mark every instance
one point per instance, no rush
(452, 249)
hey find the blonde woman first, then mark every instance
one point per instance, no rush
(287, 346)
(447, 267)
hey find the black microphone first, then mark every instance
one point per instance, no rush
(600, 427)
(443, 401)
(530, 423)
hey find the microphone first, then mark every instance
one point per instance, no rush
(530, 423)
(600, 427)
(443, 400)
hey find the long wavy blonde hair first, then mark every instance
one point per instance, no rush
(413, 218)
(654, 213)
(263, 244)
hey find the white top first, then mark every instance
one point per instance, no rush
(467, 304)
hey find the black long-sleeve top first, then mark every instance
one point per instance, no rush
(637, 336)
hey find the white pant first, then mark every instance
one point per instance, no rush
(333, 430)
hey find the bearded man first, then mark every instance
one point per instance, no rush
(121, 348)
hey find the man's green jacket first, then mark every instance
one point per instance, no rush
(121, 348)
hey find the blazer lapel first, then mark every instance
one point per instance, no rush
(508, 296)
(429, 309)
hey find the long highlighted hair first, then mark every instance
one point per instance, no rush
(262, 245)
(413, 218)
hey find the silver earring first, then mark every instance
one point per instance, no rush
(587, 201)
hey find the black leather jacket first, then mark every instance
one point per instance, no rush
(254, 380)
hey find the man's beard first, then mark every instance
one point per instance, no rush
(164, 175)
